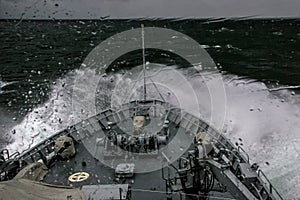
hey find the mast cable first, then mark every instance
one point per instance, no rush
(144, 61)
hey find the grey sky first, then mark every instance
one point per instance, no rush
(87, 9)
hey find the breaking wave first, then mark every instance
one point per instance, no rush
(265, 122)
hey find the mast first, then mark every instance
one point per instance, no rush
(144, 62)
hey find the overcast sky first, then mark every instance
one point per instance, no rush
(94, 9)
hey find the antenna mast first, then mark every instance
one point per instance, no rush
(144, 61)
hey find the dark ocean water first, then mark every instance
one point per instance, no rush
(35, 53)
(37, 56)
(38, 52)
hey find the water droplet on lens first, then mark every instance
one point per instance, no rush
(267, 163)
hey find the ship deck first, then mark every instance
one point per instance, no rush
(143, 185)
(94, 157)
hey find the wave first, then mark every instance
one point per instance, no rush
(5, 84)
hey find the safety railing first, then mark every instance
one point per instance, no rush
(241, 150)
(271, 189)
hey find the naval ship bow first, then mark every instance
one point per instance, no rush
(102, 157)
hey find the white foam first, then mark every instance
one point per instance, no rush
(269, 128)
(46, 119)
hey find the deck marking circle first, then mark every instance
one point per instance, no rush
(79, 177)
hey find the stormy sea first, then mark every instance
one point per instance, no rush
(259, 60)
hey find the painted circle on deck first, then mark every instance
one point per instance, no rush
(78, 177)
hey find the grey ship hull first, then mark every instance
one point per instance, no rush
(227, 163)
